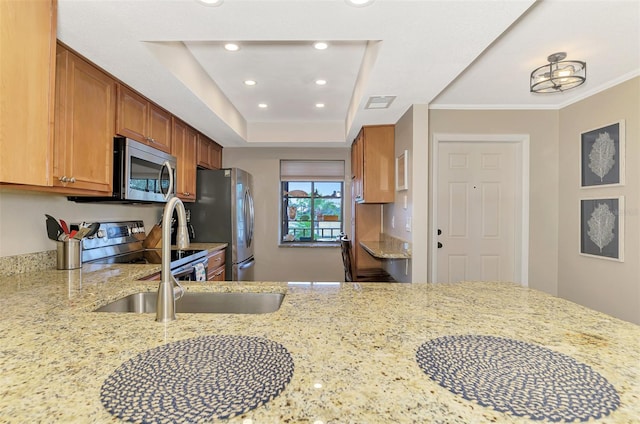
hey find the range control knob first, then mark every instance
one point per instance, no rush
(101, 234)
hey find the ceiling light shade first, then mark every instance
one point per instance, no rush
(321, 82)
(558, 75)
(320, 45)
(250, 82)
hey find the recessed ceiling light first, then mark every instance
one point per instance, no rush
(263, 105)
(320, 45)
(321, 82)
(358, 3)
(250, 82)
(211, 2)
(319, 105)
(232, 47)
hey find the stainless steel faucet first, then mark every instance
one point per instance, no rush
(166, 302)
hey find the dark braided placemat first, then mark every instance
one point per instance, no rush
(520, 378)
(198, 379)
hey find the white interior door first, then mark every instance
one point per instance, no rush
(477, 211)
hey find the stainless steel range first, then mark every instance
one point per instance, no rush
(121, 243)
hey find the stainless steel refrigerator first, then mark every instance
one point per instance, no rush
(223, 212)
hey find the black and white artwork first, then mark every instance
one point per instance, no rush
(602, 156)
(601, 229)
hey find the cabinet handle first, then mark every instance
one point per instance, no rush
(72, 179)
(64, 179)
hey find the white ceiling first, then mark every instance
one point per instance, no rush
(449, 54)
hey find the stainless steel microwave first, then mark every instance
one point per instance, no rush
(141, 174)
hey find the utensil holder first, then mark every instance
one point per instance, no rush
(69, 254)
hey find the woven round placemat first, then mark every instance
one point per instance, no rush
(520, 378)
(204, 378)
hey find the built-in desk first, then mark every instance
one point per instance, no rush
(387, 249)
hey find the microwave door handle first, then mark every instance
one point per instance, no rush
(169, 192)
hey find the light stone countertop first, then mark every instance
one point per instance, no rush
(386, 249)
(354, 345)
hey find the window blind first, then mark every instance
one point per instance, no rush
(312, 170)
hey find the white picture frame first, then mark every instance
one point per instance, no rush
(402, 171)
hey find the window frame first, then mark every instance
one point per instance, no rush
(285, 221)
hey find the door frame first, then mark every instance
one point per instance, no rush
(521, 238)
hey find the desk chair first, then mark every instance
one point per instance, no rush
(361, 275)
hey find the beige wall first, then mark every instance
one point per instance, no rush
(274, 263)
(411, 135)
(608, 286)
(542, 128)
(22, 221)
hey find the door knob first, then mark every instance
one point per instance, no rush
(439, 245)
(439, 231)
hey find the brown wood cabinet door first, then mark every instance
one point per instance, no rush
(202, 152)
(159, 135)
(190, 162)
(215, 267)
(132, 117)
(376, 147)
(85, 120)
(184, 149)
(218, 274)
(357, 167)
(215, 155)
(28, 49)
(209, 153)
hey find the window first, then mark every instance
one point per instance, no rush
(312, 203)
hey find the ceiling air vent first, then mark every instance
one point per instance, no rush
(379, 102)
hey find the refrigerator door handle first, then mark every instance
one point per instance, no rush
(247, 264)
(248, 217)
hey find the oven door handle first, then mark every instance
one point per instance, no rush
(183, 272)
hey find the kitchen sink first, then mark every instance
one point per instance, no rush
(203, 302)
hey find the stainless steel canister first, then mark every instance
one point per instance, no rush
(69, 254)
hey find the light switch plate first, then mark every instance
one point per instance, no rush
(408, 224)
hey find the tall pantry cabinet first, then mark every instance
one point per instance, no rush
(372, 184)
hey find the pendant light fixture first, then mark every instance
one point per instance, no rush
(558, 75)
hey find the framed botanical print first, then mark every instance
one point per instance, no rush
(601, 228)
(602, 156)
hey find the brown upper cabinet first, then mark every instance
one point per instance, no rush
(373, 165)
(209, 153)
(183, 145)
(84, 125)
(142, 120)
(28, 46)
